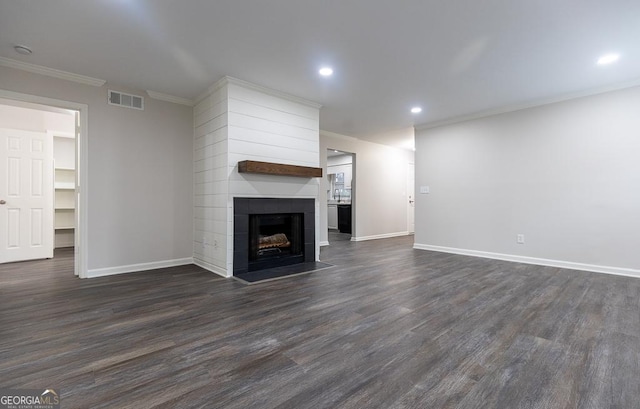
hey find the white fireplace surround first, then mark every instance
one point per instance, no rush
(235, 121)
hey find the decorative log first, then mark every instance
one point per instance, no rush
(276, 240)
(269, 168)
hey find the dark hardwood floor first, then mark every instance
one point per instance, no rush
(387, 327)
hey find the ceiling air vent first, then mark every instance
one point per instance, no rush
(126, 100)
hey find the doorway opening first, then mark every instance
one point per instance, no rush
(46, 159)
(340, 194)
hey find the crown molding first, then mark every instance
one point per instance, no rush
(170, 98)
(213, 88)
(527, 105)
(51, 72)
(226, 80)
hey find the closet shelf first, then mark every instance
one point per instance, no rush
(64, 185)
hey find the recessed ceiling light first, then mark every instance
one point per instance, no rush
(608, 59)
(21, 49)
(326, 71)
(416, 110)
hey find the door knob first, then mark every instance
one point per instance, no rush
(2, 202)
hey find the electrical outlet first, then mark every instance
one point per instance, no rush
(215, 244)
(520, 239)
(205, 240)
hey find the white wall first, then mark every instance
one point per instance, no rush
(140, 176)
(24, 116)
(379, 196)
(566, 175)
(255, 124)
(211, 184)
(64, 150)
(344, 159)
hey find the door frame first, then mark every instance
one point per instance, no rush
(411, 196)
(353, 190)
(82, 151)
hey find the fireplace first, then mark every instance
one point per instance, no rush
(272, 232)
(275, 240)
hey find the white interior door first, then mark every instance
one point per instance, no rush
(411, 194)
(26, 195)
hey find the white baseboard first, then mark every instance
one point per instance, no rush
(380, 236)
(629, 272)
(210, 267)
(132, 268)
(324, 243)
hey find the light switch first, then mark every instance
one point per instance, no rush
(424, 190)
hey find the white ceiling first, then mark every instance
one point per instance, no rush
(454, 58)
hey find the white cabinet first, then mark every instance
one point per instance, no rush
(332, 216)
(64, 188)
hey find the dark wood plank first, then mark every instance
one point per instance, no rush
(270, 168)
(387, 327)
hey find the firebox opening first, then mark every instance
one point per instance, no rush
(275, 240)
(267, 216)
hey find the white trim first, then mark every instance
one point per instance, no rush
(170, 98)
(210, 267)
(324, 243)
(230, 80)
(132, 268)
(51, 72)
(216, 86)
(82, 169)
(531, 104)
(629, 272)
(81, 266)
(56, 134)
(380, 236)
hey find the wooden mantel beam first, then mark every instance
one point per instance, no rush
(269, 168)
